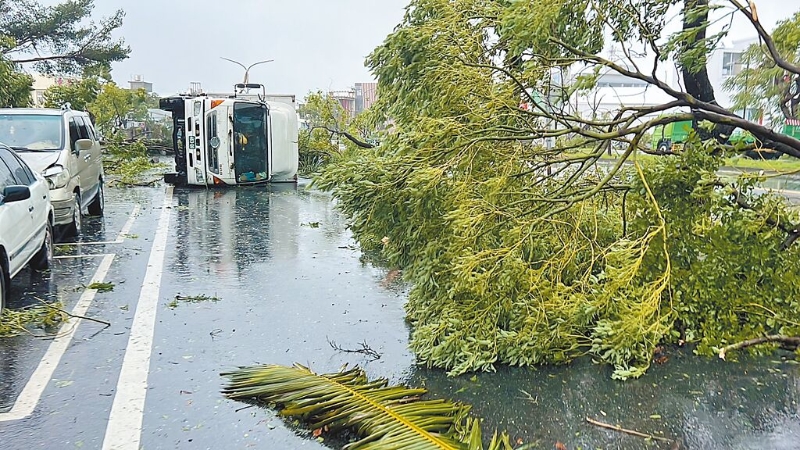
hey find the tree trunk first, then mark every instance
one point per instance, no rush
(696, 81)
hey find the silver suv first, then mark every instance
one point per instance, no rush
(64, 147)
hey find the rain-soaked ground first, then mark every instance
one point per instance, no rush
(282, 279)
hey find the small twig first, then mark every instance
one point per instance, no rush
(364, 350)
(791, 341)
(626, 431)
(244, 407)
(75, 316)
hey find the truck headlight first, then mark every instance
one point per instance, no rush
(57, 176)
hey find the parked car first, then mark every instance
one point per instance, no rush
(64, 147)
(26, 220)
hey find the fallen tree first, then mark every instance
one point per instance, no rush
(521, 251)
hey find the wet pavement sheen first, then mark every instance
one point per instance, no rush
(287, 279)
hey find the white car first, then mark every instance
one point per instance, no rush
(26, 220)
(62, 145)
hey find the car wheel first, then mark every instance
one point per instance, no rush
(99, 203)
(43, 259)
(74, 228)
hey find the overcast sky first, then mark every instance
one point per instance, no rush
(316, 44)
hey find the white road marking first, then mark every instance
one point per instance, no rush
(99, 255)
(123, 233)
(32, 392)
(124, 430)
(126, 229)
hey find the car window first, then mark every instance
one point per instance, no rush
(31, 131)
(26, 170)
(73, 132)
(6, 178)
(20, 175)
(83, 131)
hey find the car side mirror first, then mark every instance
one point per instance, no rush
(16, 193)
(83, 144)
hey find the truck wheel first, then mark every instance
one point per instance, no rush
(664, 146)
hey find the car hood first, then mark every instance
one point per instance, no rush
(39, 160)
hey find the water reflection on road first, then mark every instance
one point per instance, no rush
(705, 403)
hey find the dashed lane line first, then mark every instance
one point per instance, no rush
(32, 392)
(123, 233)
(124, 430)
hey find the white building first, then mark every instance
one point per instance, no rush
(615, 90)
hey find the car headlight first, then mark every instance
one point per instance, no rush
(57, 176)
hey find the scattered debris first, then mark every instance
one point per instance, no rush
(310, 224)
(101, 287)
(63, 249)
(15, 322)
(627, 431)
(790, 342)
(364, 350)
(191, 299)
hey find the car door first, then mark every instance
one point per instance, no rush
(16, 219)
(88, 162)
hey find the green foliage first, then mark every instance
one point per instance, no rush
(761, 84)
(15, 322)
(326, 121)
(15, 86)
(60, 38)
(519, 255)
(114, 106)
(79, 94)
(382, 416)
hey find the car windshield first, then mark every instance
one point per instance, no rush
(34, 132)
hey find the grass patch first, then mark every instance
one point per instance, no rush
(16, 322)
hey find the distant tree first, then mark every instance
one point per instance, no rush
(115, 106)
(15, 87)
(59, 38)
(764, 85)
(78, 93)
(328, 124)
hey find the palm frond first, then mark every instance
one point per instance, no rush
(383, 416)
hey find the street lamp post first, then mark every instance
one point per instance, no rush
(247, 68)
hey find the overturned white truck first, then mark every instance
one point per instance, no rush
(232, 140)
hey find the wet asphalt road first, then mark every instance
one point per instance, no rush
(288, 278)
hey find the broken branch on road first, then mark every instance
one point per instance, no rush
(364, 350)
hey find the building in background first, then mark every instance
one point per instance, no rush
(138, 83)
(346, 98)
(41, 83)
(366, 94)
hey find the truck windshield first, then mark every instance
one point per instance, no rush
(250, 144)
(32, 132)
